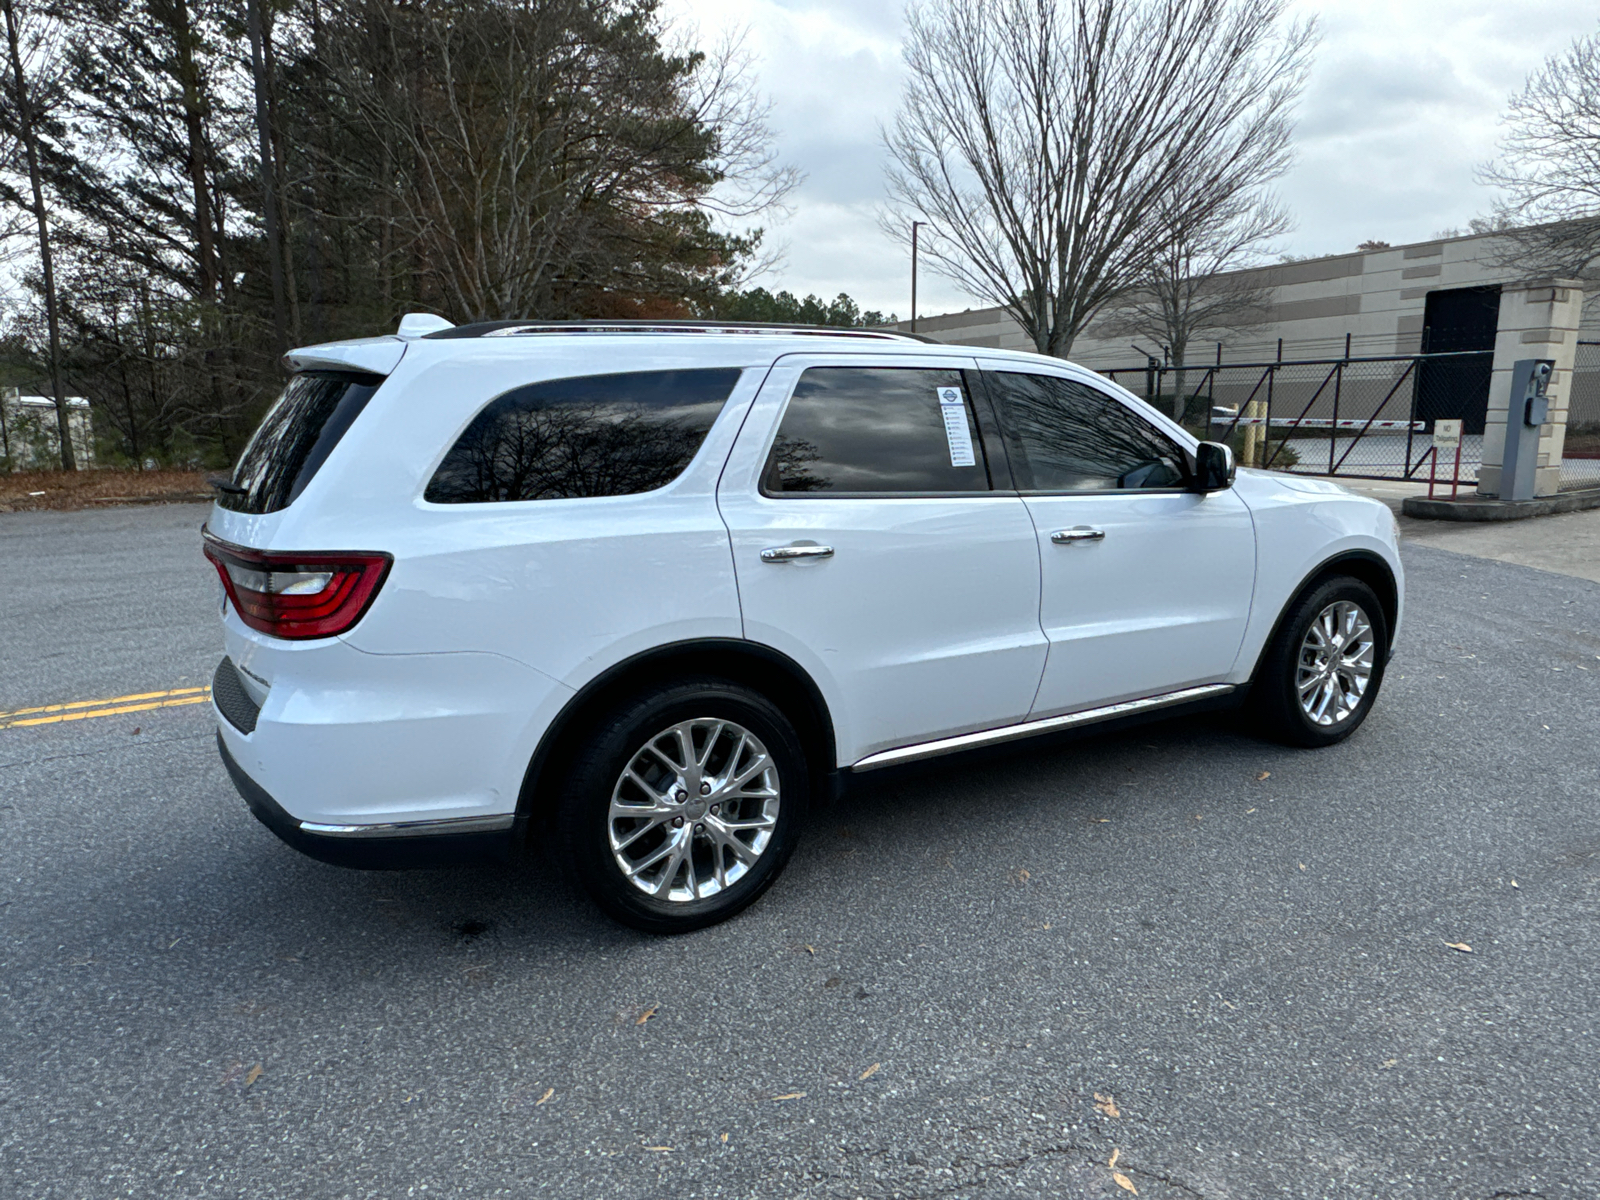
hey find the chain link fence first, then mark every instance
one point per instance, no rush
(1363, 417)
(1580, 458)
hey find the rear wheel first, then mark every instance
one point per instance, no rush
(1322, 673)
(684, 805)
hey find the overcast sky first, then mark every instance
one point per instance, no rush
(1403, 101)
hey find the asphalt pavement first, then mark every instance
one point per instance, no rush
(1177, 959)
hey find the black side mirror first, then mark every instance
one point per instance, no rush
(1213, 467)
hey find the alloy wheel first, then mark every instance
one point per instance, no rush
(1335, 664)
(693, 810)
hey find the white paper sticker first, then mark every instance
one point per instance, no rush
(956, 431)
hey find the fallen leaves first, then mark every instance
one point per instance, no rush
(791, 1096)
(1123, 1182)
(1112, 1161)
(1263, 775)
(647, 1014)
(1248, 811)
(1107, 1105)
(1302, 866)
(543, 1098)
(1462, 947)
(660, 1149)
(870, 1071)
(254, 1074)
(1020, 875)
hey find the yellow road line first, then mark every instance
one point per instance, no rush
(79, 710)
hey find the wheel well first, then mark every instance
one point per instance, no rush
(1370, 570)
(1359, 564)
(760, 668)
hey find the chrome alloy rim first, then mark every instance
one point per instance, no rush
(693, 810)
(1335, 663)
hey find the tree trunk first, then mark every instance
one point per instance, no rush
(30, 141)
(269, 171)
(176, 13)
(1179, 350)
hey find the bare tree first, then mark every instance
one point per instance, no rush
(27, 110)
(1549, 166)
(1196, 283)
(1041, 138)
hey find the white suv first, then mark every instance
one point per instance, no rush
(653, 589)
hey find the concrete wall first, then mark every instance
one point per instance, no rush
(1376, 296)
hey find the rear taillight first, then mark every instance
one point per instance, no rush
(297, 595)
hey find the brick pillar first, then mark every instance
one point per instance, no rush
(1538, 319)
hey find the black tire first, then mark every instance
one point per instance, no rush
(585, 826)
(1274, 698)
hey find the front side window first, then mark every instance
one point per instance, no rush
(593, 435)
(295, 438)
(875, 431)
(1064, 436)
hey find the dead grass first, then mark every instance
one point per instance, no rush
(26, 491)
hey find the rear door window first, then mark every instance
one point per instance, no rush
(1065, 436)
(592, 435)
(867, 431)
(295, 438)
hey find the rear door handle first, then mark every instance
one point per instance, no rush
(783, 554)
(1078, 533)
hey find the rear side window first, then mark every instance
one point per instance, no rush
(876, 431)
(1064, 436)
(593, 435)
(295, 438)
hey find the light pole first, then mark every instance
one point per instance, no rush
(915, 225)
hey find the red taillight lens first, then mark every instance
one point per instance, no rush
(297, 595)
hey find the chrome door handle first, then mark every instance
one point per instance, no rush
(1078, 533)
(783, 554)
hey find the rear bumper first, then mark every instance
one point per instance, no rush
(470, 841)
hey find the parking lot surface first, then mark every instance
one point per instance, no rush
(1177, 959)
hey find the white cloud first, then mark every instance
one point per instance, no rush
(1402, 104)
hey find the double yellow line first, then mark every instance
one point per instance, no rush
(82, 710)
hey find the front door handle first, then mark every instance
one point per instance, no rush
(783, 554)
(1078, 533)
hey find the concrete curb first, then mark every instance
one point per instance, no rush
(1483, 508)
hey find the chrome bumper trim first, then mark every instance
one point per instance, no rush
(1007, 733)
(488, 824)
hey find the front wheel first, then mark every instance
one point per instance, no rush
(684, 805)
(1321, 675)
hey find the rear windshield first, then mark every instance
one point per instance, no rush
(593, 435)
(295, 438)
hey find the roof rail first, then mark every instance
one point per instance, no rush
(520, 328)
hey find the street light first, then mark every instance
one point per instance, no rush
(915, 225)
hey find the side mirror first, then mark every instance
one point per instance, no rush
(1213, 467)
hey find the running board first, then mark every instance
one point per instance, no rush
(1009, 733)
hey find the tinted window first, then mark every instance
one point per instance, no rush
(295, 437)
(594, 435)
(877, 429)
(1064, 436)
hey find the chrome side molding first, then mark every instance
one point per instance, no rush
(489, 824)
(1025, 729)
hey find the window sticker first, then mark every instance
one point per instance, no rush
(956, 432)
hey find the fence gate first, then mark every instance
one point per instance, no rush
(1580, 458)
(1362, 417)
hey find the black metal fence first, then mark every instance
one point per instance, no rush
(1366, 417)
(1580, 459)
